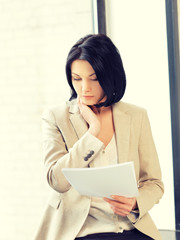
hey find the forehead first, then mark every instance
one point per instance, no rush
(81, 67)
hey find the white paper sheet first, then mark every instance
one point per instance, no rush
(118, 179)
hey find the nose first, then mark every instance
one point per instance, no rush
(85, 86)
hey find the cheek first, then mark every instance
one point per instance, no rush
(100, 92)
(76, 88)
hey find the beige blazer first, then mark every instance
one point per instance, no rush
(68, 144)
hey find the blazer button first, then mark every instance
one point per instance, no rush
(91, 152)
(89, 155)
(86, 158)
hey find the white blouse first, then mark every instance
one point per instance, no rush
(101, 217)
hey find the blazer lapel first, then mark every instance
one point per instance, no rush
(77, 121)
(122, 130)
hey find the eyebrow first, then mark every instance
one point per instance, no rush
(79, 75)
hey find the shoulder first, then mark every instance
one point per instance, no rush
(60, 111)
(129, 108)
(136, 113)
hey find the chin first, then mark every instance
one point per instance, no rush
(88, 103)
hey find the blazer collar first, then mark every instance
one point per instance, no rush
(121, 123)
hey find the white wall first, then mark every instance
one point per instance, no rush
(138, 29)
(35, 37)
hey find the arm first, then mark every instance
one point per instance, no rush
(150, 184)
(57, 156)
(151, 187)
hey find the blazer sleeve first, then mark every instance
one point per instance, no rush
(150, 184)
(58, 156)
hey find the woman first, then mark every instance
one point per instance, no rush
(93, 129)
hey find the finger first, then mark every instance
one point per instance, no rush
(113, 201)
(125, 200)
(120, 212)
(79, 101)
(119, 205)
(120, 198)
(122, 207)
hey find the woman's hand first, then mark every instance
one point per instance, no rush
(122, 205)
(91, 117)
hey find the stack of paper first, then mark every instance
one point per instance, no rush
(116, 179)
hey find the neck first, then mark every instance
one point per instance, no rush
(100, 109)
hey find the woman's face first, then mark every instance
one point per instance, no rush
(85, 83)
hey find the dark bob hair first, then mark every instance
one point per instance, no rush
(104, 57)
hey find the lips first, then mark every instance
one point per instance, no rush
(87, 96)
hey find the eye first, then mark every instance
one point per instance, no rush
(76, 79)
(93, 79)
